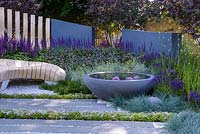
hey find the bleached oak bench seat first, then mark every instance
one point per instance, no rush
(18, 69)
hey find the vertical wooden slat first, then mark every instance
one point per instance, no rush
(25, 26)
(9, 23)
(17, 25)
(33, 30)
(2, 21)
(40, 31)
(48, 32)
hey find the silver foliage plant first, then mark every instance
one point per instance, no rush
(130, 66)
(186, 122)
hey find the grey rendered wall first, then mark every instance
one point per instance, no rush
(148, 42)
(66, 34)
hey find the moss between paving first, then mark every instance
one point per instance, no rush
(147, 117)
(45, 96)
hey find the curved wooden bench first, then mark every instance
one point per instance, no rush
(18, 69)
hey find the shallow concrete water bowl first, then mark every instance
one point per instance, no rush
(107, 84)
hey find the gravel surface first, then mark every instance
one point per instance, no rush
(25, 87)
(32, 89)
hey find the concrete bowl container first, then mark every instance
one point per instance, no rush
(107, 88)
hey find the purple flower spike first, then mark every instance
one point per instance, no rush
(194, 96)
(177, 84)
(115, 78)
(129, 78)
(136, 77)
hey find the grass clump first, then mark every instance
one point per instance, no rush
(186, 122)
(142, 104)
(150, 117)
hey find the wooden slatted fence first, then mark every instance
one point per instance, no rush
(30, 27)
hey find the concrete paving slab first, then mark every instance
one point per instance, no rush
(83, 105)
(78, 127)
(19, 126)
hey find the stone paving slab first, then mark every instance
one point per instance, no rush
(18, 126)
(83, 105)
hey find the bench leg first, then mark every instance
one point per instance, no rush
(4, 84)
(50, 82)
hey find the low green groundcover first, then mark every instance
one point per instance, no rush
(148, 117)
(66, 87)
(45, 96)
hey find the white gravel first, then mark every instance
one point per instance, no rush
(32, 89)
(24, 87)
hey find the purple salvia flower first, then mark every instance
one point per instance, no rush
(194, 96)
(43, 43)
(177, 84)
(173, 73)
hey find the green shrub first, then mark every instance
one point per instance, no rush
(23, 56)
(141, 104)
(186, 122)
(66, 87)
(18, 56)
(70, 59)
